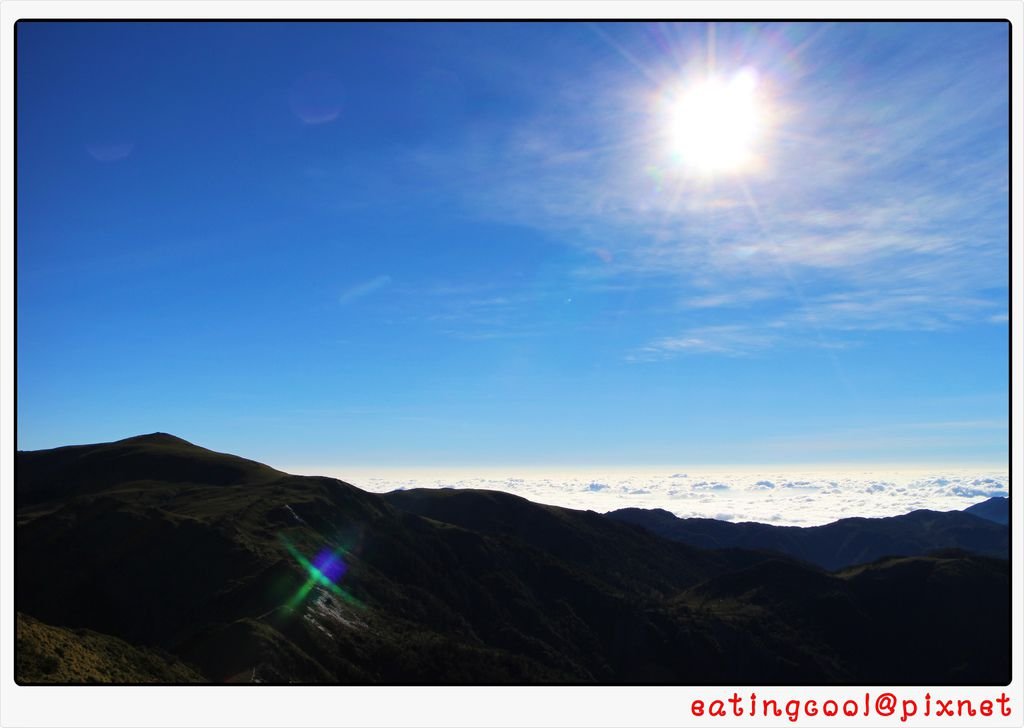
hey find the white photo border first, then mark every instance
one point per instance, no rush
(298, 706)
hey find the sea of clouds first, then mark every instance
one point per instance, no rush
(781, 497)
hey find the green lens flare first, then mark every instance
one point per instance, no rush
(328, 567)
(300, 595)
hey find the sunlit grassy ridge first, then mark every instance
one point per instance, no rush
(48, 654)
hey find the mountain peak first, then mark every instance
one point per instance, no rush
(156, 438)
(995, 509)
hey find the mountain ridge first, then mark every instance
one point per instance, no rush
(838, 544)
(996, 509)
(210, 559)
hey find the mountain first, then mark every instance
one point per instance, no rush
(874, 623)
(996, 509)
(55, 654)
(152, 559)
(835, 545)
(46, 475)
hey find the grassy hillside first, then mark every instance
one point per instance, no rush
(48, 654)
(222, 562)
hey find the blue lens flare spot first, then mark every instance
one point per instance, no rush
(325, 570)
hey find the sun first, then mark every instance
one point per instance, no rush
(714, 123)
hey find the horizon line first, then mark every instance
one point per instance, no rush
(670, 468)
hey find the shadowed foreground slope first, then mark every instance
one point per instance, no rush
(207, 560)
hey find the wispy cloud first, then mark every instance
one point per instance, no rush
(728, 299)
(462, 313)
(890, 195)
(363, 289)
(823, 321)
(891, 310)
(731, 340)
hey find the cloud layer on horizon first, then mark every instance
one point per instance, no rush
(779, 497)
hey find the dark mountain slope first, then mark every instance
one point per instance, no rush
(621, 557)
(202, 569)
(177, 550)
(876, 619)
(781, 615)
(835, 545)
(47, 474)
(995, 509)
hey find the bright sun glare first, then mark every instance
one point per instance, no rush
(714, 124)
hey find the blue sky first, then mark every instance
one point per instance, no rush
(471, 244)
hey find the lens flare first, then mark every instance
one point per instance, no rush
(325, 570)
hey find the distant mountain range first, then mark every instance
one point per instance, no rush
(845, 542)
(153, 560)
